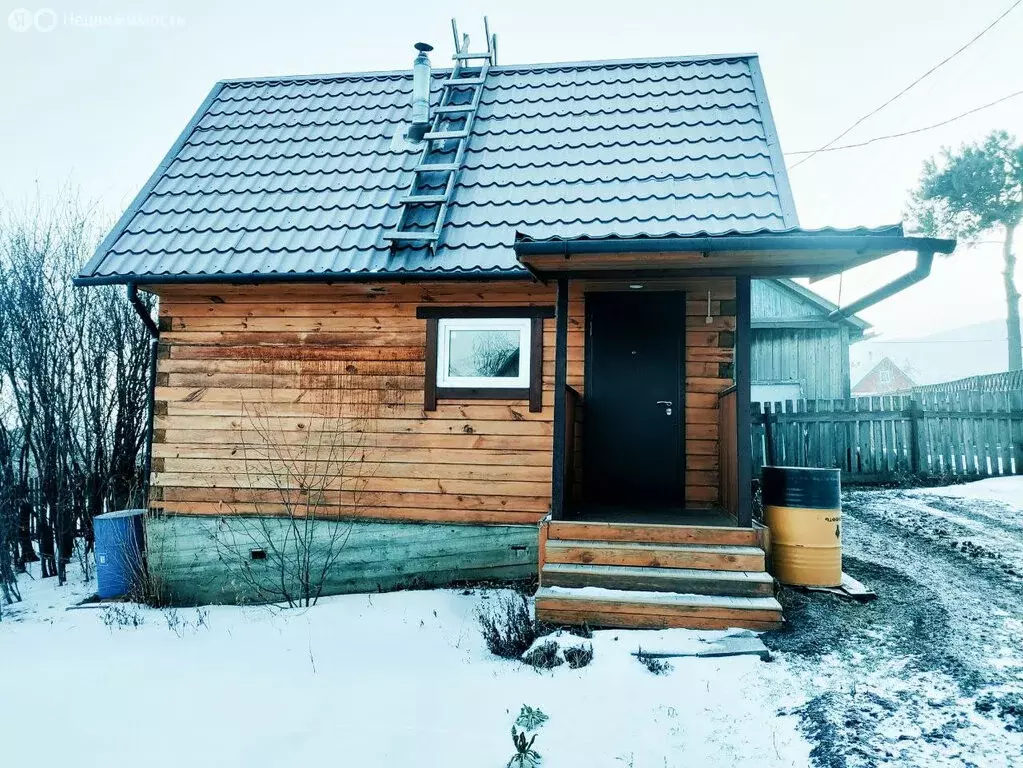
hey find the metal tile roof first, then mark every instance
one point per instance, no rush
(296, 176)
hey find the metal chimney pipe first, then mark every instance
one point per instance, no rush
(420, 93)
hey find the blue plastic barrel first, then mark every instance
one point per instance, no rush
(120, 540)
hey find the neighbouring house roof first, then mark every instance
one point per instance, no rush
(784, 303)
(884, 378)
(295, 177)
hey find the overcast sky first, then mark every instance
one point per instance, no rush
(87, 99)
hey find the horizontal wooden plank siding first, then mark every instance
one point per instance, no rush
(201, 560)
(710, 356)
(262, 390)
(251, 378)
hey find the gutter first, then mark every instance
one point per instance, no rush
(154, 344)
(257, 278)
(859, 243)
(924, 260)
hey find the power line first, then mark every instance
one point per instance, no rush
(926, 74)
(866, 142)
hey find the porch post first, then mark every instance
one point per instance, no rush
(743, 426)
(558, 493)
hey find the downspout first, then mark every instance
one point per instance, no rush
(924, 259)
(154, 341)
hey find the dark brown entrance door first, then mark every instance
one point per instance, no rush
(633, 430)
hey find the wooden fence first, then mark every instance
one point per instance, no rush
(932, 432)
(1007, 381)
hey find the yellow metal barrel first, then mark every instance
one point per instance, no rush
(803, 510)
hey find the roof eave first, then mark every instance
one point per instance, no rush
(864, 244)
(255, 278)
(88, 271)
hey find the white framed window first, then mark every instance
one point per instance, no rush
(482, 352)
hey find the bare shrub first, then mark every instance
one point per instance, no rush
(181, 625)
(655, 664)
(307, 476)
(509, 628)
(578, 656)
(546, 655)
(123, 616)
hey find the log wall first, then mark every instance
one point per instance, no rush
(253, 378)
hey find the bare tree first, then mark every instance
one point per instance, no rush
(306, 476)
(9, 519)
(73, 371)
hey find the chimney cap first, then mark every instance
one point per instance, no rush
(423, 47)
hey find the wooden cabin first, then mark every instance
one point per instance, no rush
(528, 329)
(799, 349)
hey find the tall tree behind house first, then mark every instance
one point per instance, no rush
(972, 191)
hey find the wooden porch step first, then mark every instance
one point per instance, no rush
(651, 533)
(681, 580)
(655, 610)
(712, 557)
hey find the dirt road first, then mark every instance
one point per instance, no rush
(931, 673)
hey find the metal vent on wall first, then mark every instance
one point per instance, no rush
(424, 207)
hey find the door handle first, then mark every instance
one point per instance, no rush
(667, 406)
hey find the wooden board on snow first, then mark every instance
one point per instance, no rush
(850, 588)
(734, 645)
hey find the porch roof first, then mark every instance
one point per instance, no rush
(792, 252)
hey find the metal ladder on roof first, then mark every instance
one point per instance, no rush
(441, 132)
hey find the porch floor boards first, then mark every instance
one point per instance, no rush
(647, 575)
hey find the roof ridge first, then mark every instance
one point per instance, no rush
(388, 74)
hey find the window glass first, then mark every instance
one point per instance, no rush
(479, 352)
(483, 352)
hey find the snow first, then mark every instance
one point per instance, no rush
(985, 515)
(1007, 490)
(627, 595)
(404, 679)
(398, 679)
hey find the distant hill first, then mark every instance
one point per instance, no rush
(968, 351)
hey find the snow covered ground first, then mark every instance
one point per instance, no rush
(1007, 490)
(930, 674)
(399, 679)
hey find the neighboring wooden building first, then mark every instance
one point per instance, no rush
(486, 320)
(885, 378)
(799, 350)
